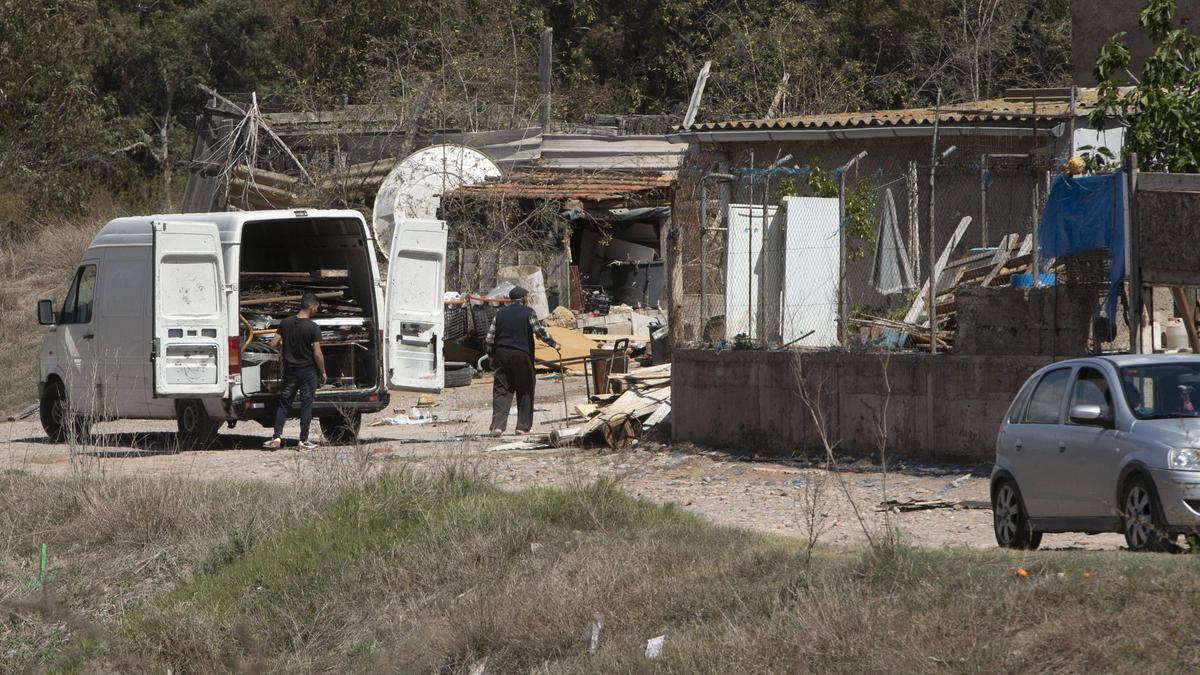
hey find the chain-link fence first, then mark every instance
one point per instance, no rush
(831, 246)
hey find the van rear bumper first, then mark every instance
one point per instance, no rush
(261, 407)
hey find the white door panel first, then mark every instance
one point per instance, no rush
(416, 281)
(191, 356)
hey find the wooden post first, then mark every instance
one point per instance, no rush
(1188, 315)
(545, 58)
(703, 253)
(983, 195)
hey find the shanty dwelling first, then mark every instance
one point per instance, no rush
(771, 187)
(599, 236)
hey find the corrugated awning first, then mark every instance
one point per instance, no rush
(1017, 106)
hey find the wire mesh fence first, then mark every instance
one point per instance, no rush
(839, 252)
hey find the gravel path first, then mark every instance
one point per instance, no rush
(786, 498)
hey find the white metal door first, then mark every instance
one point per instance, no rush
(190, 349)
(416, 281)
(811, 272)
(746, 276)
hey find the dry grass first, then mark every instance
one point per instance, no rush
(403, 574)
(39, 264)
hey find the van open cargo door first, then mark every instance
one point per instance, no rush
(190, 350)
(415, 285)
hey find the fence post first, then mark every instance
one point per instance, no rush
(703, 323)
(843, 242)
(914, 228)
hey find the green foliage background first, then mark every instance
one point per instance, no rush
(83, 80)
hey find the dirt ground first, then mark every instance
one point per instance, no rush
(788, 498)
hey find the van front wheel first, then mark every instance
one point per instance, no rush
(53, 411)
(195, 428)
(341, 428)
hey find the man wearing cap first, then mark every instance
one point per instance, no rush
(510, 347)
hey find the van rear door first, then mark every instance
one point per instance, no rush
(190, 348)
(416, 282)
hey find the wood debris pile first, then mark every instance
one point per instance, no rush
(641, 402)
(994, 267)
(278, 293)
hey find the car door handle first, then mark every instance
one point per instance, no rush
(89, 336)
(1018, 445)
(1062, 447)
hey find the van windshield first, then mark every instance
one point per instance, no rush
(1164, 390)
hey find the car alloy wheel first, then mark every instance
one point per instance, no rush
(1010, 522)
(1006, 512)
(1142, 522)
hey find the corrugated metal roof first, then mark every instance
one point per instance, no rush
(1018, 106)
(591, 186)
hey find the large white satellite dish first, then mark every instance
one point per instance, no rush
(414, 188)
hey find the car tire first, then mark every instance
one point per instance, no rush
(341, 428)
(457, 374)
(1141, 517)
(194, 428)
(1010, 520)
(52, 410)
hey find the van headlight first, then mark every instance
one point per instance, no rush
(1184, 459)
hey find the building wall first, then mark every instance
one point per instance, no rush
(1051, 321)
(1014, 185)
(929, 407)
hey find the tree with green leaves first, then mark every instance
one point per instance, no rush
(1160, 111)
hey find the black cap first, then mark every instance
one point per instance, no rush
(517, 293)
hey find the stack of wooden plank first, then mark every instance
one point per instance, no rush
(278, 293)
(995, 267)
(262, 189)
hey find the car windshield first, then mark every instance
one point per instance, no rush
(1164, 390)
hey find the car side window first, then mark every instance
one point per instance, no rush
(77, 308)
(1018, 405)
(1046, 402)
(1092, 389)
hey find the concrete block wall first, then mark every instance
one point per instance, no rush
(1045, 321)
(940, 408)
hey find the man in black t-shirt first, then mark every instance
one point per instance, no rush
(299, 343)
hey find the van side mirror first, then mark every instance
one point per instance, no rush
(1090, 415)
(46, 313)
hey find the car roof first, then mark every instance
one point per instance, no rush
(1123, 360)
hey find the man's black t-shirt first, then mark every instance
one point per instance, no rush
(298, 338)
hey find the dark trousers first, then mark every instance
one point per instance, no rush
(514, 375)
(303, 380)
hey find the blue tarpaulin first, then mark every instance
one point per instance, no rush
(1087, 214)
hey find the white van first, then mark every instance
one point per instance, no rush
(170, 316)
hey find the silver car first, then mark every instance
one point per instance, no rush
(1104, 444)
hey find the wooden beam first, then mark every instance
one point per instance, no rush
(918, 306)
(999, 266)
(777, 101)
(697, 95)
(1168, 182)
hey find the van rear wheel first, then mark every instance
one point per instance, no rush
(341, 428)
(196, 430)
(1010, 520)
